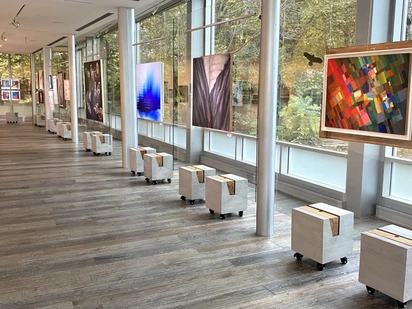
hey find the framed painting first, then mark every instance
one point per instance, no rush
(212, 92)
(60, 90)
(368, 94)
(15, 83)
(93, 90)
(15, 95)
(5, 83)
(5, 95)
(149, 91)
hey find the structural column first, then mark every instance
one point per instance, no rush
(127, 59)
(47, 55)
(377, 21)
(33, 86)
(268, 89)
(73, 88)
(195, 48)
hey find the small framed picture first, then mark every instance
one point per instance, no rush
(5, 95)
(5, 84)
(15, 95)
(15, 84)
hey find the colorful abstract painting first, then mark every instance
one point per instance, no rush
(5, 95)
(368, 93)
(5, 84)
(15, 95)
(149, 91)
(94, 95)
(15, 84)
(212, 93)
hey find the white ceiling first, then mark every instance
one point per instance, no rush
(44, 21)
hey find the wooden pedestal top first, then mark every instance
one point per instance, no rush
(101, 138)
(199, 172)
(230, 183)
(159, 159)
(333, 219)
(142, 151)
(391, 236)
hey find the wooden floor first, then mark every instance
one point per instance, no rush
(78, 231)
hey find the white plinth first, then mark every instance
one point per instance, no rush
(59, 128)
(386, 264)
(66, 132)
(312, 234)
(137, 158)
(87, 139)
(41, 120)
(52, 128)
(219, 199)
(190, 186)
(153, 171)
(12, 117)
(105, 146)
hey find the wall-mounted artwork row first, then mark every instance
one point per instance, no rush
(149, 90)
(212, 92)
(368, 94)
(93, 90)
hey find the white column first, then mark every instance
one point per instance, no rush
(10, 76)
(33, 86)
(377, 21)
(73, 88)
(268, 89)
(195, 47)
(47, 55)
(127, 60)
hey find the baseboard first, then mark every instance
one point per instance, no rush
(394, 216)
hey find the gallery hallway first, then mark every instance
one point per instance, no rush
(78, 231)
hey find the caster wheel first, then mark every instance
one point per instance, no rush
(139, 174)
(320, 267)
(133, 173)
(211, 211)
(147, 179)
(153, 182)
(223, 217)
(105, 153)
(298, 256)
(240, 213)
(183, 198)
(192, 202)
(94, 153)
(169, 180)
(344, 260)
(370, 290)
(110, 153)
(98, 154)
(401, 304)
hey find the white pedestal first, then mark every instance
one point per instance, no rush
(102, 143)
(41, 120)
(67, 131)
(324, 233)
(386, 262)
(12, 117)
(87, 139)
(53, 123)
(155, 171)
(59, 128)
(192, 181)
(219, 198)
(34, 117)
(137, 158)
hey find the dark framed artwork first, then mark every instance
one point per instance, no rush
(93, 90)
(60, 90)
(212, 92)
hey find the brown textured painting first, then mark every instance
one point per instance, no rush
(212, 95)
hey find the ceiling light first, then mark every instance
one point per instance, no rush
(15, 23)
(3, 37)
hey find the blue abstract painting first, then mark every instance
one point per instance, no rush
(149, 91)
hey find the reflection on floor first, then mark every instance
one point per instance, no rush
(78, 231)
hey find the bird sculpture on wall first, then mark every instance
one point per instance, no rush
(312, 59)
